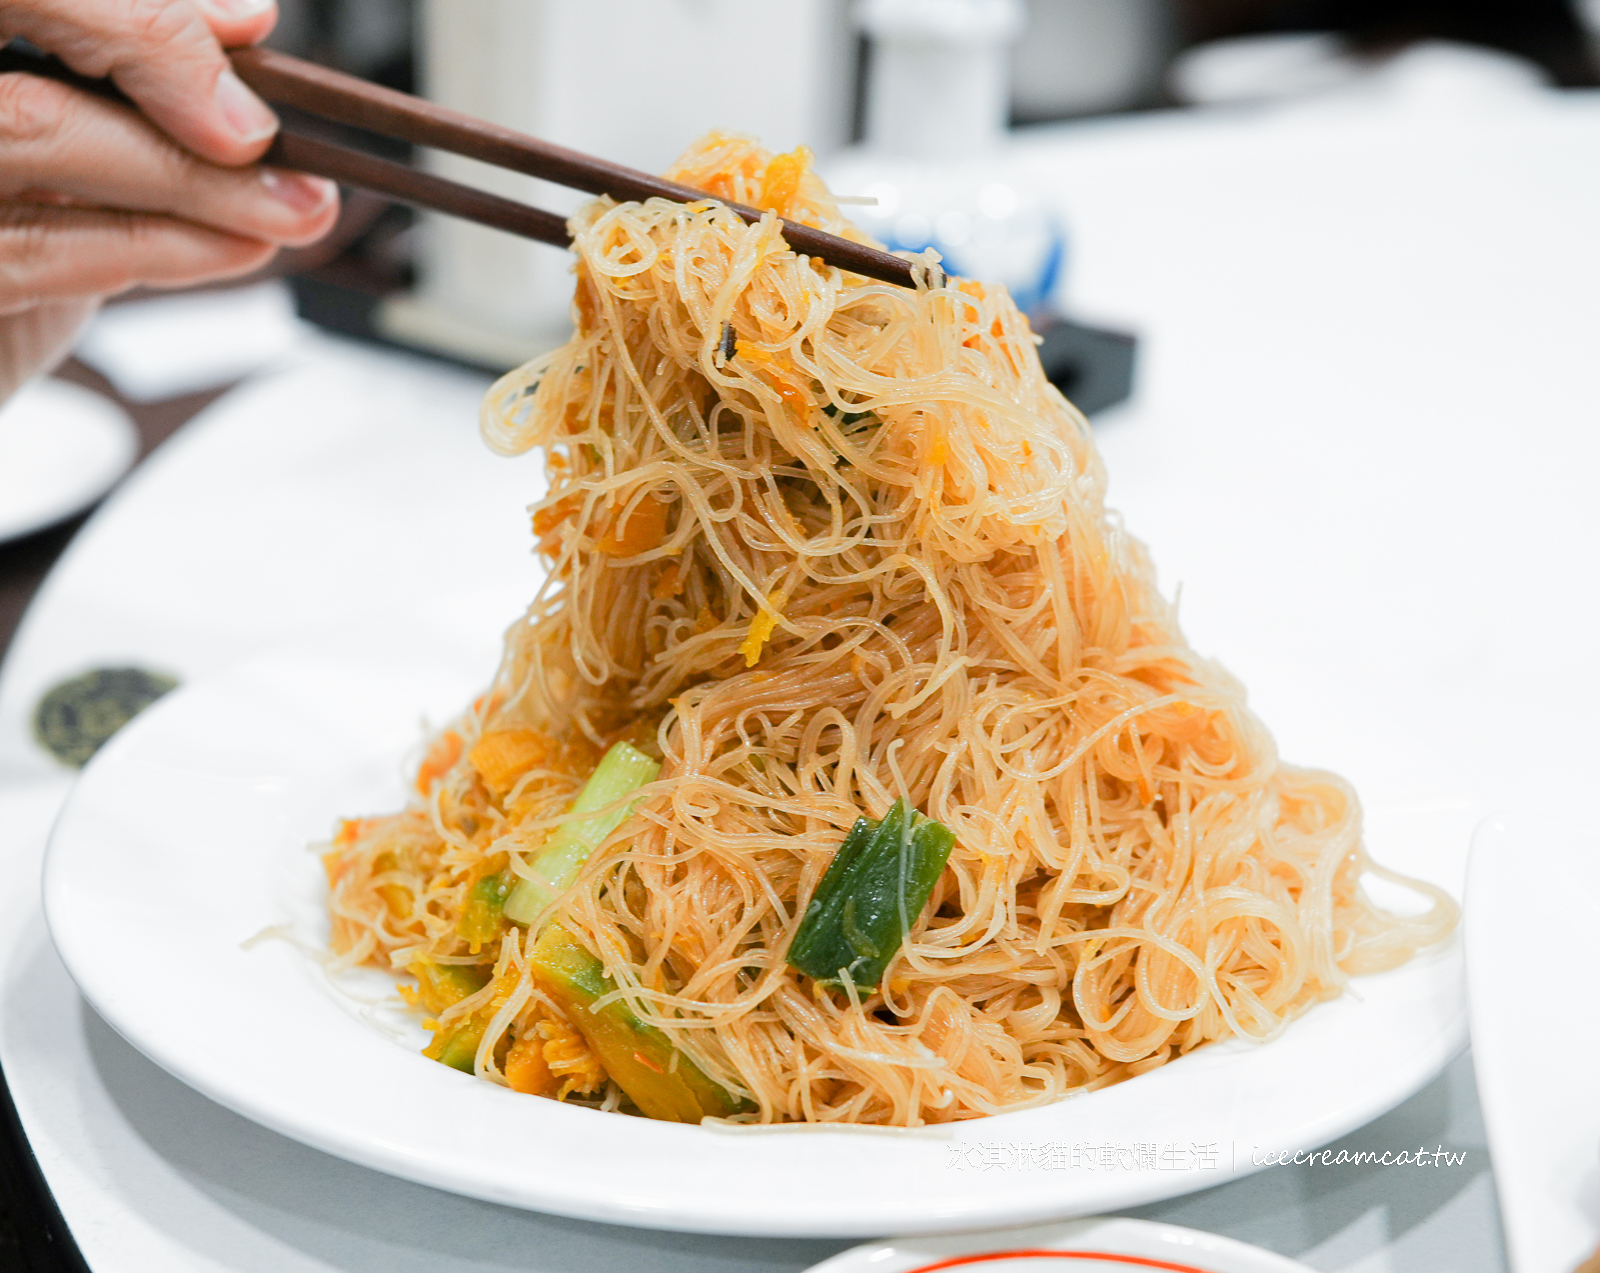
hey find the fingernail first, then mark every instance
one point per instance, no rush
(237, 8)
(246, 113)
(302, 193)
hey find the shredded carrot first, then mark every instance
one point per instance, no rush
(670, 584)
(488, 704)
(547, 519)
(733, 181)
(505, 755)
(587, 301)
(352, 829)
(573, 414)
(996, 329)
(525, 1067)
(692, 947)
(441, 758)
(396, 897)
(576, 418)
(761, 628)
(781, 181)
(795, 398)
(640, 529)
(569, 1058)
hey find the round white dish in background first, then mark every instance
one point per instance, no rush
(187, 835)
(1533, 888)
(61, 448)
(1114, 1245)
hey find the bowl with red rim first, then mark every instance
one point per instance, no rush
(1106, 1245)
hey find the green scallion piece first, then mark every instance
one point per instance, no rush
(622, 769)
(873, 891)
(457, 1045)
(483, 917)
(662, 1081)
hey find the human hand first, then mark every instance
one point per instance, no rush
(96, 198)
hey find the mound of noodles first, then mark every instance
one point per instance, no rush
(821, 543)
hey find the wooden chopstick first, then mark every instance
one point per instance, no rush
(305, 153)
(344, 99)
(289, 81)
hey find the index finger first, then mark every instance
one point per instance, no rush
(166, 55)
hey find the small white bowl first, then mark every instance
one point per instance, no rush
(61, 448)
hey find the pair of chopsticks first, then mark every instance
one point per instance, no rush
(346, 99)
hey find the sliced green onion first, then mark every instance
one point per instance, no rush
(658, 1078)
(457, 1045)
(442, 985)
(873, 891)
(483, 916)
(622, 769)
(439, 986)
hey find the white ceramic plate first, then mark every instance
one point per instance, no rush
(1532, 935)
(1116, 1245)
(187, 835)
(61, 448)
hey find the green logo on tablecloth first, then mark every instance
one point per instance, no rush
(76, 718)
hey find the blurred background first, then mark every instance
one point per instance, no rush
(854, 81)
(889, 95)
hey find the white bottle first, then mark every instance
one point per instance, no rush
(935, 158)
(634, 81)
